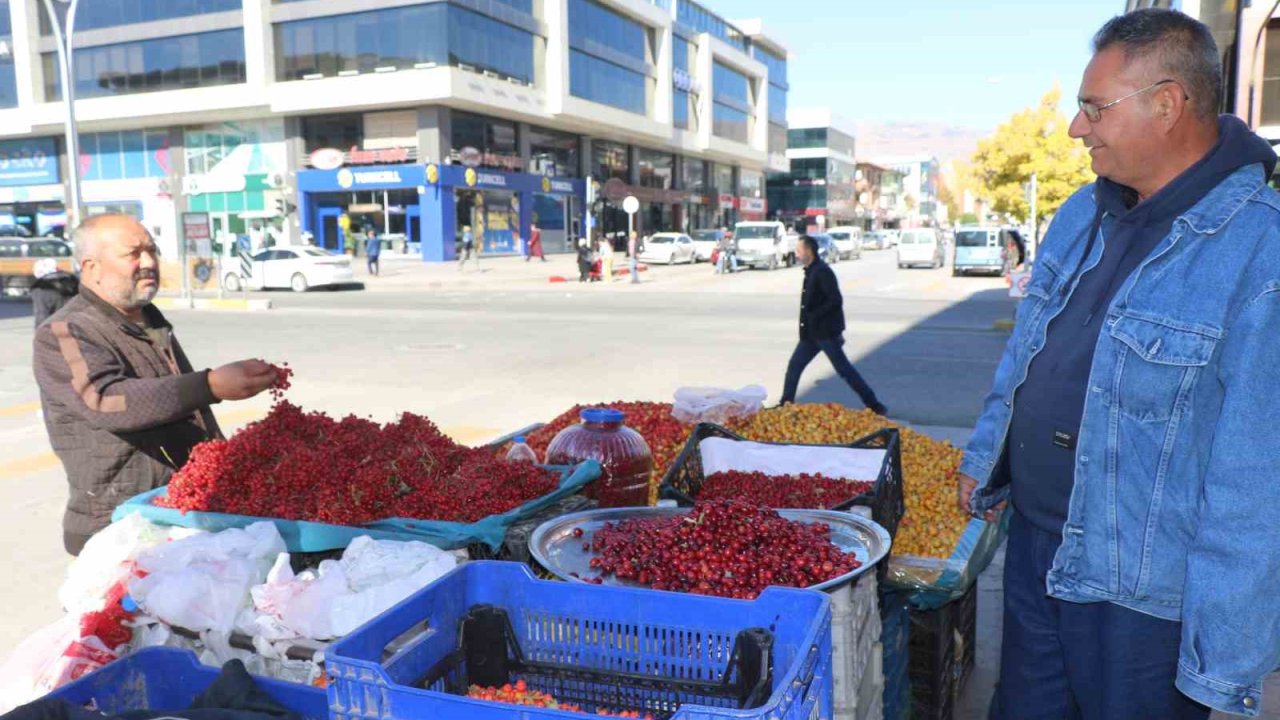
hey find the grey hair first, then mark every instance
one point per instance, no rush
(85, 236)
(1182, 48)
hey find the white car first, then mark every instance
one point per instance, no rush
(705, 243)
(298, 268)
(669, 248)
(848, 241)
(920, 247)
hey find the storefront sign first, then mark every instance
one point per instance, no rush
(348, 178)
(28, 162)
(195, 226)
(561, 186)
(327, 159)
(727, 201)
(752, 205)
(492, 179)
(473, 158)
(201, 184)
(470, 157)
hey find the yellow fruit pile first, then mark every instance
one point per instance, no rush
(933, 523)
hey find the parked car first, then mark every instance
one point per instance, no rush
(18, 256)
(876, 240)
(764, 244)
(981, 248)
(827, 250)
(705, 243)
(298, 268)
(849, 240)
(920, 247)
(668, 248)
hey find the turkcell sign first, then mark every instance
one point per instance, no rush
(347, 177)
(561, 186)
(491, 179)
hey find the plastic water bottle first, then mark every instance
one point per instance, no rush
(521, 452)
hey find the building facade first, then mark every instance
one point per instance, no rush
(317, 119)
(825, 185)
(921, 177)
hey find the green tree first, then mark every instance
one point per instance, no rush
(968, 219)
(1034, 140)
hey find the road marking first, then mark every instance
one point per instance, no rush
(936, 286)
(29, 464)
(23, 409)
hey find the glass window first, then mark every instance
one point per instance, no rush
(681, 52)
(332, 131)
(777, 105)
(807, 138)
(777, 138)
(609, 160)
(591, 78)
(484, 141)
(777, 66)
(723, 175)
(96, 14)
(701, 20)
(1271, 78)
(121, 155)
(680, 110)
(593, 24)
(657, 169)
(403, 37)
(729, 123)
(693, 176)
(750, 184)
(149, 65)
(730, 85)
(553, 153)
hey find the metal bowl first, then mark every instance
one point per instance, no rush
(554, 546)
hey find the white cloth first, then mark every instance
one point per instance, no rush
(856, 464)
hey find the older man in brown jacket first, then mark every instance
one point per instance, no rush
(122, 404)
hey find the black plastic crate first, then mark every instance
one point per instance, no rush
(489, 655)
(684, 479)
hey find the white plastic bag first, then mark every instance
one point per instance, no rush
(839, 463)
(107, 559)
(203, 582)
(48, 659)
(717, 405)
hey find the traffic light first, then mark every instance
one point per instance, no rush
(282, 207)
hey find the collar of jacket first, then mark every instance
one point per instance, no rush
(1211, 213)
(813, 265)
(154, 317)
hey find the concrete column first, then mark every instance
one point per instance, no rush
(703, 72)
(259, 44)
(523, 146)
(434, 133)
(295, 153)
(27, 67)
(555, 61)
(663, 95)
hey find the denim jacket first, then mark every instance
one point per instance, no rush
(1174, 511)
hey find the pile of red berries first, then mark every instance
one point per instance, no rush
(782, 491)
(722, 547)
(520, 694)
(299, 465)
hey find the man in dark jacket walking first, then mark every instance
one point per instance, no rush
(822, 328)
(121, 402)
(52, 289)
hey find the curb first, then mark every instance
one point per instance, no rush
(211, 304)
(1005, 325)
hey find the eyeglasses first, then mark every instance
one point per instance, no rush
(1094, 112)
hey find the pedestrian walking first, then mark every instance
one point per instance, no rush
(606, 259)
(633, 261)
(52, 289)
(1132, 420)
(822, 328)
(468, 248)
(584, 260)
(535, 244)
(372, 251)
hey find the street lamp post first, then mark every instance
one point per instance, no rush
(64, 29)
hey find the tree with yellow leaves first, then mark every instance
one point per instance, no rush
(1034, 140)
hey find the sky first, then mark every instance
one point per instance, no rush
(968, 63)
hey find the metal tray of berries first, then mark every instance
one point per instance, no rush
(563, 545)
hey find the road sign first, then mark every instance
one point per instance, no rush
(631, 205)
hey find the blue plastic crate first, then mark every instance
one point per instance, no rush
(895, 639)
(614, 635)
(168, 679)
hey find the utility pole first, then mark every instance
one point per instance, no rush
(64, 29)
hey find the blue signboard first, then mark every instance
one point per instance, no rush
(28, 162)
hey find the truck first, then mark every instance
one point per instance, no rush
(764, 244)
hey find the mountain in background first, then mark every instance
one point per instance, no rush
(898, 139)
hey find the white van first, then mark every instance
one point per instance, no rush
(764, 244)
(920, 246)
(848, 240)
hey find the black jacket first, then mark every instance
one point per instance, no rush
(821, 305)
(51, 292)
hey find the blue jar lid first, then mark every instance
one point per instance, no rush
(602, 415)
(519, 439)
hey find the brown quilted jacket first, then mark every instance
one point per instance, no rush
(122, 406)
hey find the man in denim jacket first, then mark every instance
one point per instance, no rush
(1134, 419)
